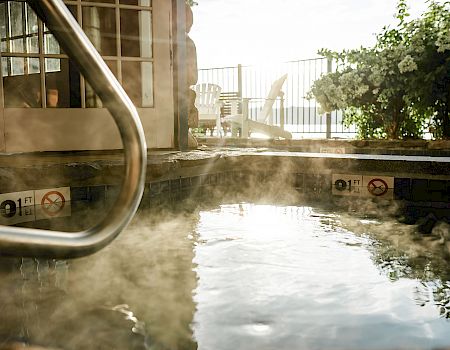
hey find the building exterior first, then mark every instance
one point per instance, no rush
(46, 105)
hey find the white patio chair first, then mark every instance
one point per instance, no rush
(261, 124)
(208, 105)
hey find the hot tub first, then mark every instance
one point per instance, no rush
(217, 267)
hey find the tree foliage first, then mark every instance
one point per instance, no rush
(401, 85)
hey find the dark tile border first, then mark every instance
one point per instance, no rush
(425, 192)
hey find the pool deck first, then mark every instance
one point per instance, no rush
(439, 148)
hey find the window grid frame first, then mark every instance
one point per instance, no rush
(41, 55)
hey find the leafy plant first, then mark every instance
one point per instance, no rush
(401, 85)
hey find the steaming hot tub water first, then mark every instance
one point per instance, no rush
(292, 278)
(237, 276)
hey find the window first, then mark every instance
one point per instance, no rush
(32, 57)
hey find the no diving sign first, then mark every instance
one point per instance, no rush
(363, 185)
(377, 187)
(52, 202)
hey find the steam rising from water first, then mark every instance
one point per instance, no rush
(135, 294)
(237, 275)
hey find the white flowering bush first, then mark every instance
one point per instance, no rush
(399, 86)
(407, 64)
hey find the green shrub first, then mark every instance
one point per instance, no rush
(399, 87)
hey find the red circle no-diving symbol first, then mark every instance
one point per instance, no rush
(53, 203)
(377, 187)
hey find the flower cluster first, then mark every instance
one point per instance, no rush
(443, 41)
(407, 65)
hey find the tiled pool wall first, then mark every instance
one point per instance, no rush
(429, 194)
(419, 184)
(422, 180)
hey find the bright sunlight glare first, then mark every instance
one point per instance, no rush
(230, 32)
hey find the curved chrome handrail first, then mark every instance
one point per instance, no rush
(18, 241)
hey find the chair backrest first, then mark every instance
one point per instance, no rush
(207, 98)
(266, 110)
(230, 103)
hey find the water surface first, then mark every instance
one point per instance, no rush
(293, 278)
(235, 276)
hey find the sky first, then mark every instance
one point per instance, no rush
(229, 32)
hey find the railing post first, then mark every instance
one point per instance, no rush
(281, 110)
(328, 115)
(239, 68)
(244, 127)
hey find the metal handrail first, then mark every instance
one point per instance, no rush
(18, 241)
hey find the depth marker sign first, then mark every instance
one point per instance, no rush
(335, 150)
(363, 186)
(32, 205)
(16, 207)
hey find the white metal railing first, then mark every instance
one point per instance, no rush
(299, 114)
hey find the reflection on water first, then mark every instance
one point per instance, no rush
(297, 278)
(134, 294)
(234, 276)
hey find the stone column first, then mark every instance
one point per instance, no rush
(192, 76)
(191, 61)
